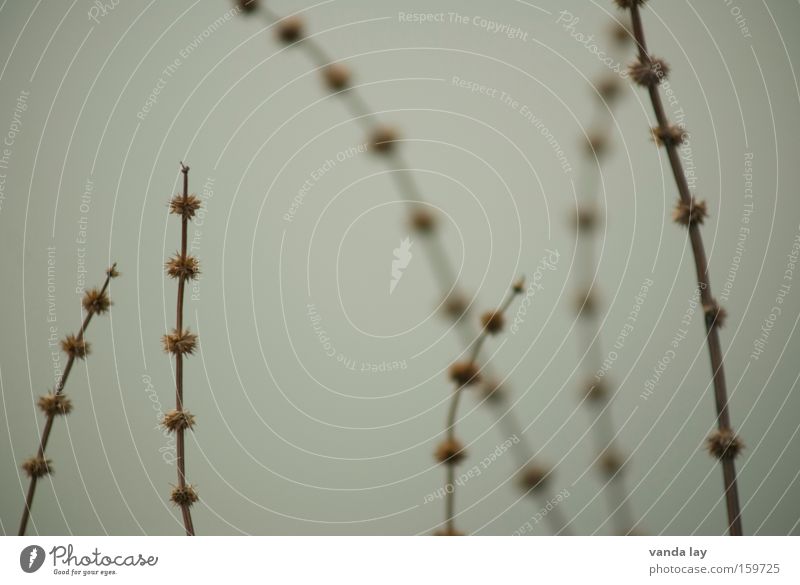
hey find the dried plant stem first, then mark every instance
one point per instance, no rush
(465, 374)
(181, 442)
(181, 343)
(56, 403)
(596, 393)
(420, 219)
(724, 443)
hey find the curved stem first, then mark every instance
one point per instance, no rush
(450, 425)
(703, 282)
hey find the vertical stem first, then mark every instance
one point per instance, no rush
(703, 282)
(180, 440)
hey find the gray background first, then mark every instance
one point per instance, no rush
(290, 442)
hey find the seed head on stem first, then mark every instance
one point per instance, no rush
(724, 444)
(56, 403)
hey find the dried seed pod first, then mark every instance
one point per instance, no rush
(178, 420)
(596, 144)
(585, 218)
(450, 451)
(178, 266)
(608, 88)
(37, 467)
(290, 29)
(649, 72)
(247, 6)
(183, 496)
(492, 390)
(383, 139)
(596, 390)
(465, 373)
(585, 302)
(672, 134)
(75, 347)
(186, 207)
(423, 221)
(180, 343)
(611, 462)
(724, 444)
(96, 301)
(690, 213)
(493, 321)
(533, 477)
(455, 305)
(715, 314)
(621, 33)
(337, 76)
(626, 4)
(55, 404)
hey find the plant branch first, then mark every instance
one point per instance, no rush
(724, 443)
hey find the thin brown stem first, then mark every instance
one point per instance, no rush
(704, 285)
(180, 432)
(402, 176)
(59, 390)
(450, 425)
(588, 218)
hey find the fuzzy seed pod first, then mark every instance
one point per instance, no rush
(96, 301)
(383, 139)
(715, 314)
(626, 4)
(533, 477)
(450, 451)
(596, 391)
(691, 213)
(492, 391)
(178, 420)
(724, 444)
(518, 286)
(74, 347)
(423, 221)
(55, 404)
(672, 134)
(186, 207)
(448, 532)
(493, 321)
(596, 145)
(183, 496)
(585, 303)
(585, 218)
(337, 76)
(608, 88)
(112, 272)
(37, 467)
(455, 305)
(465, 373)
(180, 267)
(290, 29)
(611, 462)
(648, 73)
(247, 6)
(180, 343)
(621, 33)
